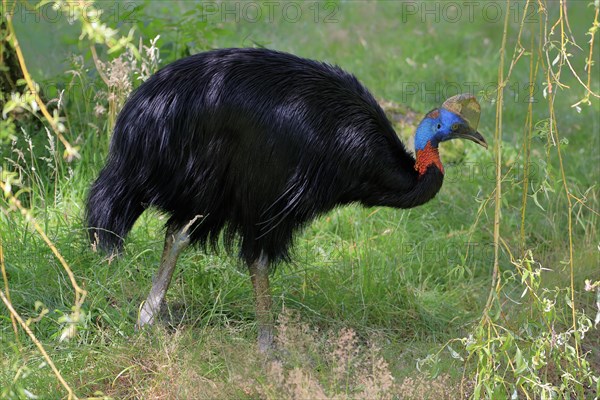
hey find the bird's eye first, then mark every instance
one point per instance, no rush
(439, 126)
(455, 127)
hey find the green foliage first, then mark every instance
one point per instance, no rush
(7, 130)
(537, 358)
(194, 29)
(412, 283)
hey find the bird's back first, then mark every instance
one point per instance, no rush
(257, 141)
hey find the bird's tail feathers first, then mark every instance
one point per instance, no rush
(113, 206)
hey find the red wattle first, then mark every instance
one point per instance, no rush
(426, 157)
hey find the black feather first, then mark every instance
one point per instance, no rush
(257, 141)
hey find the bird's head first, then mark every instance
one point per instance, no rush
(456, 119)
(440, 125)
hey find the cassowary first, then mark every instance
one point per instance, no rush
(252, 144)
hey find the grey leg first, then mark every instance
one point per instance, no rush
(175, 241)
(259, 274)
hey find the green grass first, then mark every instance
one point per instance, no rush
(402, 280)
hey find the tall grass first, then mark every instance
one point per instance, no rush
(489, 290)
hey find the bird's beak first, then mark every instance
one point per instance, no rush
(470, 135)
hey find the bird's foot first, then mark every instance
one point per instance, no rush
(148, 313)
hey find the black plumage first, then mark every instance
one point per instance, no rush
(256, 141)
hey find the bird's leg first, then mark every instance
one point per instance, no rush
(175, 241)
(259, 274)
